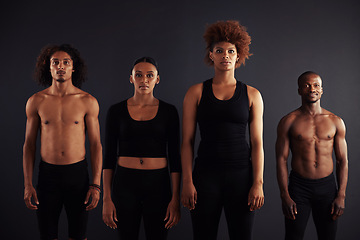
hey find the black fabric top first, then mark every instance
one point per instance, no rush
(155, 138)
(222, 125)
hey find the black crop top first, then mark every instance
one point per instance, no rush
(155, 138)
(222, 125)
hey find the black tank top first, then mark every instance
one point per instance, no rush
(222, 125)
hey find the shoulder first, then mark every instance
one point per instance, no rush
(339, 123)
(288, 120)
(195, 89)
(34, 101)
(253, 92)
(117, 106)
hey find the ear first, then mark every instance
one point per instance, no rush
(158, 79)
(131, 79)
(211, 56)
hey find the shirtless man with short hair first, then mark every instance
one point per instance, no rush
(62, 113)
(311, 133)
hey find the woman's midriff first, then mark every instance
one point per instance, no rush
(142, 163)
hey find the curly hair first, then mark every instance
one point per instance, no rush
(228, 31)
(42, 74)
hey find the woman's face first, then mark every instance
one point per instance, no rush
(224, 55)
(144, 77)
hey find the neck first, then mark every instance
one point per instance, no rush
(311, 108)
(224, 77)
(61, 88)
(143, 99)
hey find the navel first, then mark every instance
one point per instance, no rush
(316, 164)
(141, 161)
(299, 137)
(76, 122)
(46, 122)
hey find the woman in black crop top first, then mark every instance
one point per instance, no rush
(142, 142)
(228, 172)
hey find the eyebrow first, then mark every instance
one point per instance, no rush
(147, 71)
(58, 59)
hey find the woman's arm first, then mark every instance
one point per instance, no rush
(256, 194)
(191, 100)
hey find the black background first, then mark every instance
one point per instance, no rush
(288, 38)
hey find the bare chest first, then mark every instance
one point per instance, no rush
(55, 111)
(313, 129)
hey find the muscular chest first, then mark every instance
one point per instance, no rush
(313, 129)
(62, 111)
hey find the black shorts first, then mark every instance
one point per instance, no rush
(316, 196)
(58, 186)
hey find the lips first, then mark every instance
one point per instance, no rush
(60, 72)
(143, 87)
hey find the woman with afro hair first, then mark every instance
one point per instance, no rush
(228, 171)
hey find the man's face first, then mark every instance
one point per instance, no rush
(61, 66)
(310, 88)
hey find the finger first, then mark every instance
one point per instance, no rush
(332, 208)
(29, 204)
(295, 209)
(115, 215)
(36, 198)
(195, 198)
(87, 197)
(167, 214)
(192, 203)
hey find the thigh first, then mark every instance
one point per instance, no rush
(206, 215)
(326, 227)
(237, 212)
(155, 201)
(295, 229)
(48, 213)
(75, 189)
(126, 198)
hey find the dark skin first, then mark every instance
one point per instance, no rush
(312, 134)
(61, 113)
(142, 106)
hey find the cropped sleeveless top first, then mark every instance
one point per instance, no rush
(157, 138)
(222, 125)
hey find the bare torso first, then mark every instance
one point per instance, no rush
(62, 126)
(311, 143)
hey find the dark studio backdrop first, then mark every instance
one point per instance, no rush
(288, 38)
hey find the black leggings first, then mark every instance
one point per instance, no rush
(314, 195)
(141, 193)
(218, 189)
(58, 186)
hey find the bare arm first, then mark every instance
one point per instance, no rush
(282, 154)
(340, 149)
(93, 129)
(189, 195)
(29, 148)
(256, 194)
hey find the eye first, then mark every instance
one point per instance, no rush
(138, 75)
(218, 51)
(150, 75)
(66, 62)
(55, 62)
(231, 51)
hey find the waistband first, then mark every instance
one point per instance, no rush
(141, 171)
(297, 177)
(80, 164)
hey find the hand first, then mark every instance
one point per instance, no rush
(109, 214)
(289, 208)
(337, 207)
(29, 193)
(95, 196)
(189, 196)
(256, 197)
(172, 213)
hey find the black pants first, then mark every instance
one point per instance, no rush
(314, 195)
(141, 193)
(218, 189)
(58, 186)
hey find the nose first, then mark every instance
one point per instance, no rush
(225, 55)
(61, 65)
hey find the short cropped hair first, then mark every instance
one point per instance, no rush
(305, 75)
(148, 60)
(42, 73)
(228, 31)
